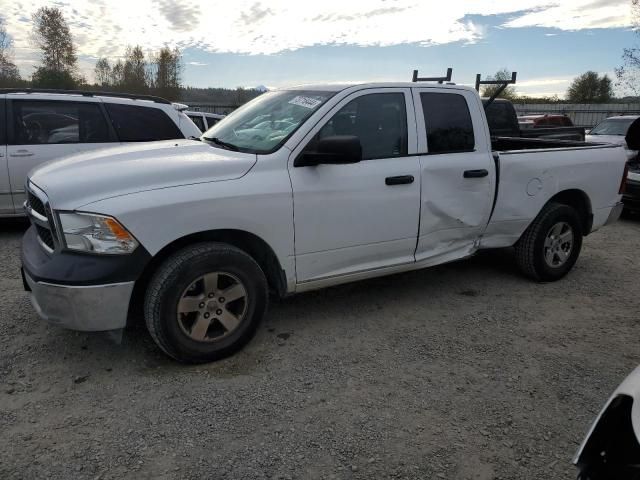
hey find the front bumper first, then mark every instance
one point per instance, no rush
(80, 291)
(86, 308)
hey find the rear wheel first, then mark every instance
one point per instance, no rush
(205, 302)
(550, 246)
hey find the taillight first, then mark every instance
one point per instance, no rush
(623, 182)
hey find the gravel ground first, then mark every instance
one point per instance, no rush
(461, 371)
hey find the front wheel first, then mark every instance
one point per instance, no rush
(205, 302)
(550, 246)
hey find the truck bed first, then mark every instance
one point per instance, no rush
(531, 172)
(554, 133)
(504, 144)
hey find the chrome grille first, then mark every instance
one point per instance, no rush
(36, 204)
(45, 236)
(37, 207)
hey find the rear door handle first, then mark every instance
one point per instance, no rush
(22, 153)
(399, 180)
(475, 173)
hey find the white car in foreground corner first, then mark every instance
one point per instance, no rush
(301, 189)
(611, 449)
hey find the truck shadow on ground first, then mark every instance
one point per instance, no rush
(362, 302)
(485, 274)
(17, 225)
(630, 216)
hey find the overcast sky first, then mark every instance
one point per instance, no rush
(284, 42)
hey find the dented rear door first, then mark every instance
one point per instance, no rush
(457, 170)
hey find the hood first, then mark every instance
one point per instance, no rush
(88, 177)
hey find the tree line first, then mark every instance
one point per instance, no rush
(590, 87)
(156, 73)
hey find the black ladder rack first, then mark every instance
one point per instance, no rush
(432, 79)
(503, 84)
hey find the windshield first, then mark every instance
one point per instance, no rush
(612, 127)
(264, 124)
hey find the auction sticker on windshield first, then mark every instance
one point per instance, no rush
(306, 102)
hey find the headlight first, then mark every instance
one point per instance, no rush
(89, 232)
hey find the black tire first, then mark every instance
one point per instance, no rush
(176, 274)
(530, 249)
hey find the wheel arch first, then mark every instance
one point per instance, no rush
(248, 242)
(578, 200)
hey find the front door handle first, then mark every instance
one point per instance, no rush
(22, 153)
(475, 173)
(399, 180)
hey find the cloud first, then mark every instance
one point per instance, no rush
(106, 27)
(577, 15)
(255, 14)
(182, 17)
(197, 64)
(547, 81)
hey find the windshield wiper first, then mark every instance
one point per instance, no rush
(217, 141)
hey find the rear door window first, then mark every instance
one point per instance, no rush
(40, 122)
(134, 123)
(448, 122)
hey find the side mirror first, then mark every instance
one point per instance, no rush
(332, 150)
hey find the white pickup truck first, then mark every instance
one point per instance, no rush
(300, 189)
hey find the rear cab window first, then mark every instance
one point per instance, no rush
(502, 119)
(41, 122)
(134, 123)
